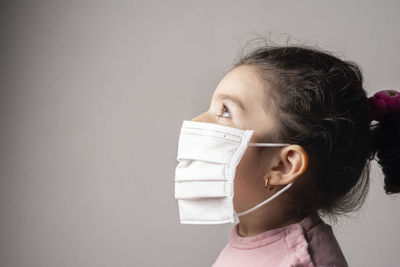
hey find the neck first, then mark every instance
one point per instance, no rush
(264, 219)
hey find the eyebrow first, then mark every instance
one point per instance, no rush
(232, 98)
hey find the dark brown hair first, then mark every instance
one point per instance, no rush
(320, 104)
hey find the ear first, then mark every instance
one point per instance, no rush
(291, 163)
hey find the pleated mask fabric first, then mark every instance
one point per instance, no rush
(208, 155)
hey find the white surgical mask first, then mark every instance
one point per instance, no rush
(208, 155)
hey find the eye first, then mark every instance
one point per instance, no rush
(225, 112)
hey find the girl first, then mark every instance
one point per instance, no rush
(313, 106)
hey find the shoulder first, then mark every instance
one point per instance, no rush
(308, 243)
(323, 246)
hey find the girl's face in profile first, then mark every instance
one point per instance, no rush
(239, 101)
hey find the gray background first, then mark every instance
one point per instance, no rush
(93, 94)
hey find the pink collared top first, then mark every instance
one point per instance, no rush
(310, 243)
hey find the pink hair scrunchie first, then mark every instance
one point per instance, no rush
(383, 103)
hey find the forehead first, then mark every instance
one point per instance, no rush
(243, 83)
(247, 86)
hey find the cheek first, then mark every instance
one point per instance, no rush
(247, 165)
(248, 178)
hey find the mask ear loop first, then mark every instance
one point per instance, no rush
(267, 144)
(265, 201)
(276, 194)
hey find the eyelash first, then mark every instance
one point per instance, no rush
(225, 109)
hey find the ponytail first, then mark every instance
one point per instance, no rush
(384, 107)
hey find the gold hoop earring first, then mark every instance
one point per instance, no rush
(267, 184)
